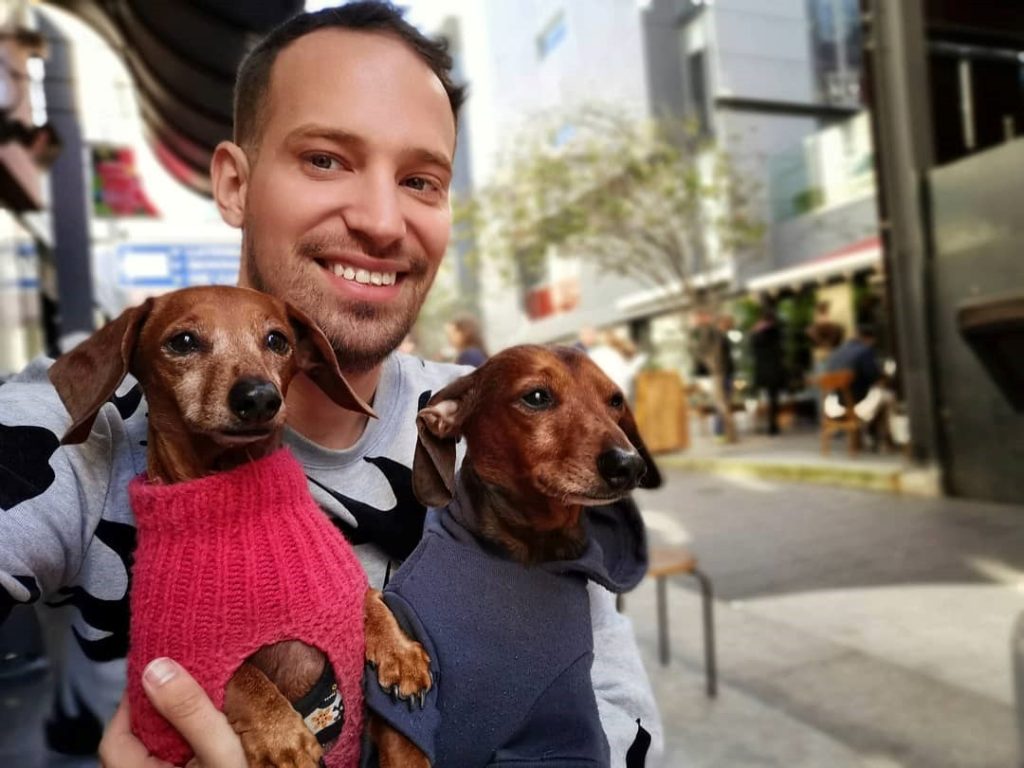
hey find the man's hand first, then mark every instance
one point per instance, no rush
(186, 706)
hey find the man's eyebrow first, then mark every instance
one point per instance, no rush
(314, 131)
(429, 157)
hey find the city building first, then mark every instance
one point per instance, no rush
(778, 86)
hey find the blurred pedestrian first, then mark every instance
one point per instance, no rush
(703, 342)
(587, 338)
(871, 398)
(825, 335)
(769, 369)
(706, 350)
(727, 371)
(465, 336)
(619, 359)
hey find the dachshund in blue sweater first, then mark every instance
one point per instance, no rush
(496, 591)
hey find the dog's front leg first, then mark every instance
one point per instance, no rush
(403, 667)
(273, 734)
(393, 749)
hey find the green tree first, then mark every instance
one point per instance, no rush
(652, 199)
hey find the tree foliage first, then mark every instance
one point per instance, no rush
(649, 199)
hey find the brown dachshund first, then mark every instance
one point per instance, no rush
(215, 364)
(546, 431)
(548, 435)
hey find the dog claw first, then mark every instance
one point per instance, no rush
(423, 699)
(396, 693)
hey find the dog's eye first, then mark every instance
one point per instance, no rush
(538, 399)
(184, 343)
(617, 400)
(277, 342)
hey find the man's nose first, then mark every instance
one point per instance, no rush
(376, 212)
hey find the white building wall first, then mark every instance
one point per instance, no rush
(599, 58)
(756, 50)
(762, 50)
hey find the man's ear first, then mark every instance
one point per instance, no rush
(86, 376)
(229, 173)
(439, 427)
(315, 358)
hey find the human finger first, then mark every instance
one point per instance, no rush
(119, 748)
(182, 701)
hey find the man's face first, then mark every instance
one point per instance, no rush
(346, 211)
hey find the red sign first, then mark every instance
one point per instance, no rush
(116, 185)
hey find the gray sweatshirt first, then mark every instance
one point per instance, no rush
(67, 534)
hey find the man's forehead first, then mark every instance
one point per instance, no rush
(356, 74)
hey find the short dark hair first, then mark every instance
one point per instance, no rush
(867, 330)
(253, 80)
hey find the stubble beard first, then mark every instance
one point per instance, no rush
(361, 333)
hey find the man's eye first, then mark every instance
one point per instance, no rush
(538, 399)
(419, 183)
(184, 343)
(277, 342)
(425, 186)
(323, 162)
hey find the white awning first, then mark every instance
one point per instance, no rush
(864, 255)
(670, 295)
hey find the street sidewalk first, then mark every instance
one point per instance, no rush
(795, 456)
(834, 649)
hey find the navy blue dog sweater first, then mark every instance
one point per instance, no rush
(510, 645)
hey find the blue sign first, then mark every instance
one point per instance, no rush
(177, 266)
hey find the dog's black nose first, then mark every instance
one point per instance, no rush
(254, 400)
(621, 469)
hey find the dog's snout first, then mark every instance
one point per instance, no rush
(254, 400)
(621, 469)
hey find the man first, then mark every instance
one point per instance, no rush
(345, 125)
(769, 367)
(870, 400)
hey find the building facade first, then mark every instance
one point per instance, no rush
(761, 78)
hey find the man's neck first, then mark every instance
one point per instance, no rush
(319, 419)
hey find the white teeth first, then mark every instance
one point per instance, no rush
(363, 276)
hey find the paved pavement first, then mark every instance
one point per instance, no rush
(855, 628)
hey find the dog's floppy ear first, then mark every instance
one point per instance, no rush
(439, 426)
(652, 477)
(317, 360)
(86, 376)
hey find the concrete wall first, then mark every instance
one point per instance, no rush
(762, 50)
(978, 230)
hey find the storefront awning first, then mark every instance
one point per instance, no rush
(865, 254)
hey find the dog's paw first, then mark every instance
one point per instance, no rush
(403, 668)
(282, 745)
(273, 734)
(402, 665)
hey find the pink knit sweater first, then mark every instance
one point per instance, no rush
(229, 563)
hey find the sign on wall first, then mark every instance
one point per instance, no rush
(116, 184)
(162, 265)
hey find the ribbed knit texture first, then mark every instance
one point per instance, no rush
(232, 562)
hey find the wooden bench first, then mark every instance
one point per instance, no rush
(665, 561)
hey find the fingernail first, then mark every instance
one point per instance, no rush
(159, 671)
